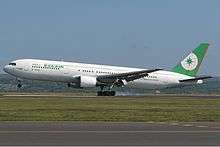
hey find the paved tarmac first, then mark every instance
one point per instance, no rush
(64, 95)
(72, 133)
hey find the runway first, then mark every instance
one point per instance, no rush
(200, 96)
(82, 133)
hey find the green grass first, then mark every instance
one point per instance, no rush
(119, 109)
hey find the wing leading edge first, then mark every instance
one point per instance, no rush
(124, 77)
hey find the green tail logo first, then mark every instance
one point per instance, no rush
(190, 65)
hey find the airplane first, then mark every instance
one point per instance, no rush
(105, 77)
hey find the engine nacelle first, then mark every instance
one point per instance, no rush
(88, 82)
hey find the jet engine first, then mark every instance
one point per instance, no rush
(84, 82)
(87, 81)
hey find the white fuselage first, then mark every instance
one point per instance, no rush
(59, 71)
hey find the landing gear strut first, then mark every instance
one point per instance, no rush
(69, 85)
(19, 85)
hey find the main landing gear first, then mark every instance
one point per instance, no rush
(106, 93)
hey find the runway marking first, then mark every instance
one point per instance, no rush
(161, 123)
(151, 122)
(174, 124)
(188, 125)
(199, 131)
(202, 126)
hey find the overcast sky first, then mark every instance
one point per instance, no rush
(137, 33)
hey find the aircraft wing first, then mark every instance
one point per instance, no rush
(124, 77)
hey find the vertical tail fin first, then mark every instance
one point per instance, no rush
(190, 65)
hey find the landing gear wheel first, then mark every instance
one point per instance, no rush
(106, 93)
(19, 85)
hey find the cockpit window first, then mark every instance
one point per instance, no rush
(12, 64)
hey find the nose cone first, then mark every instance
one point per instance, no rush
(6, 69)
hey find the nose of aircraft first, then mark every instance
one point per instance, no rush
(6, 68)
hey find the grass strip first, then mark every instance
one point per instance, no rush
(118, 109)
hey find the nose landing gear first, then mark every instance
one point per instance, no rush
(19, 85)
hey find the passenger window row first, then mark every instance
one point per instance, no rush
(92, 71)
(42, 67)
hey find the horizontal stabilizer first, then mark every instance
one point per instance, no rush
(195, 79)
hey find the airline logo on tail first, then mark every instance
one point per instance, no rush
(190, 62)
(190, 65)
